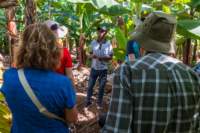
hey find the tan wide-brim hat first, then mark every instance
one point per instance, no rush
(157, 33)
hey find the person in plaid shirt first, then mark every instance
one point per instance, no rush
(157, 93)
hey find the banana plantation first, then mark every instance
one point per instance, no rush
(82, 18)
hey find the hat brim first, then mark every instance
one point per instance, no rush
(152, 45)
(61, 33)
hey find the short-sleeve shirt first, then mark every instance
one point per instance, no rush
(66, 61)
(133, 48)
(197, 68)
(53, 90)
(103, 50)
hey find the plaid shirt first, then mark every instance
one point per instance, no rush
(156, 94)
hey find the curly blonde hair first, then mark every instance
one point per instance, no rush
(38, 48)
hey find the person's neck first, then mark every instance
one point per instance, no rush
(150, 52)
(168, 54)
(99, 40)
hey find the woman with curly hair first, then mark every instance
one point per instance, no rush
(39, 57)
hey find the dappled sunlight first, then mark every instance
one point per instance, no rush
(8, 116)
(81, 94)
(5, 116)
(86, 115)
(101, 35)
(196, 30)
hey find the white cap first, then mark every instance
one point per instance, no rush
(104, 28)
(60, 31)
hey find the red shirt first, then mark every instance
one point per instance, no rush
(66, 61)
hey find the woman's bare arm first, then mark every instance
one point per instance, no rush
(71, 115)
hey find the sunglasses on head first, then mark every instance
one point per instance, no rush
(54, 27)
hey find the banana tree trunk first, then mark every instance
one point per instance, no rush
(12, 33)
(194, 55)
(30, 12)
(81, 51)
(187, 52)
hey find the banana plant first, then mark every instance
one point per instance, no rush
(91, 13)
(109, 7)
(184, 10)
(187, 14)
(189, 28)
(3, 47)
(120, 51)
(5, 116)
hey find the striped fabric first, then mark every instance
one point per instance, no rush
(155, 94)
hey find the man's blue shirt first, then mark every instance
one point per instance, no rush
(53, 90)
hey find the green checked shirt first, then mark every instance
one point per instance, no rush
(155, 94)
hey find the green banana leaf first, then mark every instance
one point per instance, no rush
(182, 1)
(119, 54)
(121, 39)
(195, 3)
(5, 116)
(96, 3)
(115, 10)
(189, 28)
(180, 39)
(109, 7)
(2, 18)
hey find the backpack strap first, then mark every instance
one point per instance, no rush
(34, 99)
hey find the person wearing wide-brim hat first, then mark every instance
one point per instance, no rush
(157, 93)
(157, 37)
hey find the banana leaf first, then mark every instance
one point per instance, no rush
(121, 39)
(119, 54)
(5, 116)
(195, 3)
(108, 7)
(189, 28)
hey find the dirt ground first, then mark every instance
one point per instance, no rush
(88, 117)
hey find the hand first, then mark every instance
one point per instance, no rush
(100, 58)
(94, 56)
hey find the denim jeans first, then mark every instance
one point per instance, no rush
(102, 78)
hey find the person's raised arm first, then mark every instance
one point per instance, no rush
(69, 74)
